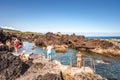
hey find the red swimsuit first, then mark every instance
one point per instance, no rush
(16, 45)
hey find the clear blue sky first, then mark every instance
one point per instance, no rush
(61, 15)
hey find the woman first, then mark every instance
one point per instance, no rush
(79, 59)
(16, 45)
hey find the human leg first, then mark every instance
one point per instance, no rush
(16, 50)
(79, 64)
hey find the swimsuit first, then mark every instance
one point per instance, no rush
(16, 45)
(79, 59)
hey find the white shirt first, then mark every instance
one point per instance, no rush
(49, 48)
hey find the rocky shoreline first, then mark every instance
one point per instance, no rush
(43, 69)
(40, 68)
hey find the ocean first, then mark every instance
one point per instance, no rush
(104, 37)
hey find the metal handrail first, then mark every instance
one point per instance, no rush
(92, 63)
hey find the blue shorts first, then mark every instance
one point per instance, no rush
(49, 54)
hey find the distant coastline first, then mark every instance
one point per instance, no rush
(87, 34)
(104, 37)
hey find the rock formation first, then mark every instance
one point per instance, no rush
(60, 48)
(78, 43)
(11, 66)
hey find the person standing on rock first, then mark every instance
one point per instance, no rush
(16, 45)
(79, 59)
(49, 52)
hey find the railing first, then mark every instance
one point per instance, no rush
(89, 62)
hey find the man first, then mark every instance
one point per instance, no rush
(49, 52)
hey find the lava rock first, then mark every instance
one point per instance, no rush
(11, 66)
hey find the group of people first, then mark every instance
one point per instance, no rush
(23, 55)
(7, 46)
(49, 48)
(49, 53)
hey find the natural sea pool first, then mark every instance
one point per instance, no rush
(104, 66)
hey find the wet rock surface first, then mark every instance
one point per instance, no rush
(11, 66)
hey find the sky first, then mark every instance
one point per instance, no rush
(78, 16)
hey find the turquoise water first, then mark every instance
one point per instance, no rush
(104, 66)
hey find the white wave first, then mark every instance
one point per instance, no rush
(101, 62)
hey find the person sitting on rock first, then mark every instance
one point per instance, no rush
(79, 59)
(24, 57)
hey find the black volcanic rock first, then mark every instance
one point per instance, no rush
(11, 66)
(2, 36)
